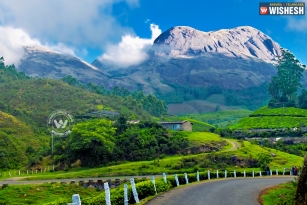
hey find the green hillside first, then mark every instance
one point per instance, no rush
(222, 118)
(33, 100)
(265, 117)
(9, 73)
(286, 111)
(17, 142)
(197, 139)
(29, 102)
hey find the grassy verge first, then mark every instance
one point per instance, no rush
(43, 193)
(282, 194)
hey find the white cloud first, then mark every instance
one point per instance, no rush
(61, 48)
(74, 23)
(132, 50)
(298, 23)
(12, 41)
(59, 25)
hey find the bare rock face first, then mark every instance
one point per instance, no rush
(43, 62)
(244, 41)
(235, 59)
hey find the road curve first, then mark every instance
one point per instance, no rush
(233, 191)
(235, 145)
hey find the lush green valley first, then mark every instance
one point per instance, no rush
(118, 146)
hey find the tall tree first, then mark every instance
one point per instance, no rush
(287, 81)
(92, 142)
(302, 99)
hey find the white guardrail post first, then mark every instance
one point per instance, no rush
(126, 194)
(186, 178)
(75, 200)
(107, 192)
(217, 174)
(154, 183)
(135, 193)
(176, 179)
(164, 177)
(244, 173)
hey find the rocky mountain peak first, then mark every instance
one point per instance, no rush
(240, 42)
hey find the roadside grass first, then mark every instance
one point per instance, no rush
(169, 164)
(43, 193)
(282, 194)
(280, 161)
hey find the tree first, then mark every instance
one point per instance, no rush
(301, 191)
(264, 159)
(302, 99)
(1, 61)
(286, 82)
(92, 142)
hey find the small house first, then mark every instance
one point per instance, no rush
(179, 125)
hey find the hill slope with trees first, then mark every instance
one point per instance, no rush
(19, 146)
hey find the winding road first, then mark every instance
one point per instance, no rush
(232, 191)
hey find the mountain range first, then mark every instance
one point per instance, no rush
(183, 64)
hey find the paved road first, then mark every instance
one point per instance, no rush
(234, 191)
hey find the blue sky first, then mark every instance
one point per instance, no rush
(215, 15)
(102, 27)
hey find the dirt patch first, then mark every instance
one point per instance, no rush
(266, 191)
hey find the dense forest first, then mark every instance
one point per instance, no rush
(99, 142)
